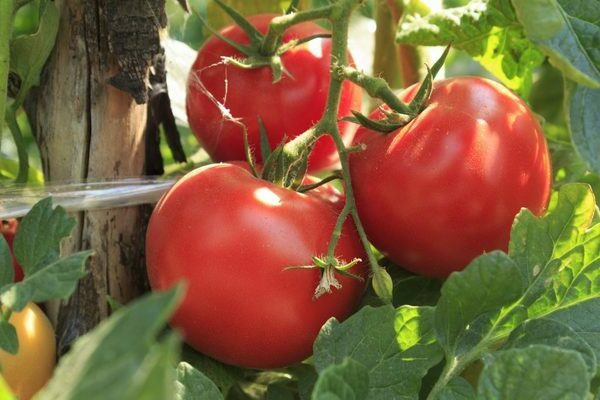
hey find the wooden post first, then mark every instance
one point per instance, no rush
(88, 129)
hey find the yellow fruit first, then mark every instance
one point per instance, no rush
(29, 370)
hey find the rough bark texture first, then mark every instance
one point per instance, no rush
(88, 129)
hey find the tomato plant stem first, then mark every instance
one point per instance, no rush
(6, 24)
(280, 24)
(11, 120)
(339, 15)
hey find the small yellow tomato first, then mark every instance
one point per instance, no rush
(29, 370)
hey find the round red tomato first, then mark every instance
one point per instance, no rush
(230, 236)
(445, 188)
(8, 228)
(286, 108)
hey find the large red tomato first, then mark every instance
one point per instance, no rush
(286, 108)
(231, 236)
(445, 188)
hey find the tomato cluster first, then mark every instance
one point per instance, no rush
(432, 195)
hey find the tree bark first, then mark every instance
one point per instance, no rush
(88, 129)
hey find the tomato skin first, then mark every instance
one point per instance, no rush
(230, 236)
(29, 370)
(445, 188)
(286, 108)
(9, 230)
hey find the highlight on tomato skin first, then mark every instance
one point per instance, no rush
(286, 108)
(29, 370)
(231, 237)
(446, 187)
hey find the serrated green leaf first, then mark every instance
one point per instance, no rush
(583, 119)
(7, 273)
(567, 31)
(554, 334)
(348, 380)
(28, 54)
(9, 341)
(487, 30)
(104, 363)
(370, 337)
(527, 374)
(471, 300)
(55, 281)
(193, 384)
(457, 389)
(37, 241)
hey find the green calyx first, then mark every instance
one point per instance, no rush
(400, 113)
(329, 266)
(263, 50)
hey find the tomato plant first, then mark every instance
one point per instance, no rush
(218, 93)
(9, 229)
(231, 237)
(30, 369)
(445, 188)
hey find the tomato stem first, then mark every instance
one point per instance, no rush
(375, 87)
(6, 25)
(11, 120)
(339, 15)
(279, 24)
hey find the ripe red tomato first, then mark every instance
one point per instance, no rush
(9, 230)
(286, 108)
(445, 188)
(230, 236)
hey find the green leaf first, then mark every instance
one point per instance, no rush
(224, 376)
(457, 389)
(397, 348)
(348, 380)
(567, 32)
(40, 233)
(7, 273)
(471, 300)
(9, 341)
(106, 362)
(578, 319)
(55, 281)
(487, 30)
(193, 384)
(28, 54)
(155, 377)
(535, 372)
(583, 118)
(553, 334)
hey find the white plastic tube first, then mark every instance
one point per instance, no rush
(16, 201)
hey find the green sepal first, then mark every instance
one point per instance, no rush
(422, 97)
(383, 126)
(265, 145)
(253, 34)
(293, 7)
(248, 152)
